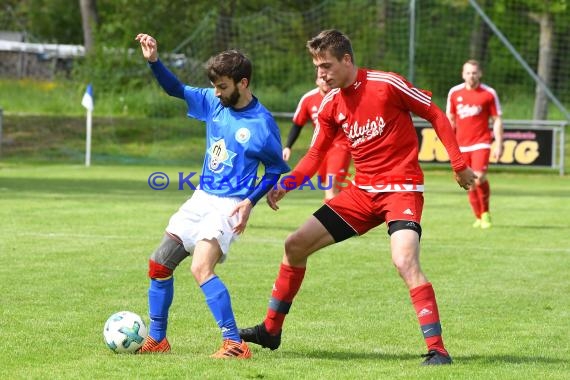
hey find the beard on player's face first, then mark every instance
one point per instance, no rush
(232, 99)
(473, 81)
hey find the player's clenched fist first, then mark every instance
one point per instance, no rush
(149, 46)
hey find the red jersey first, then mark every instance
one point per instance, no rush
(375, 115)
(308, 108)
(472, 110)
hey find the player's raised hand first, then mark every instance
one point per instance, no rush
(149, 46)
(465, 178)
(275, 195)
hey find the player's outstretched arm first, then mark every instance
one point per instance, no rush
(166, 79)
(149, 46)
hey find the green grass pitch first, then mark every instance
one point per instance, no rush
(74, 245)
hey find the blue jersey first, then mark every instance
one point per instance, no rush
(237, 141)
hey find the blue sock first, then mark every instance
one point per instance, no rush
(160, 294)
(218, 300)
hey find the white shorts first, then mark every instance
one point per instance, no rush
(205, 216)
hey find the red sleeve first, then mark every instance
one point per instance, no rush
(444, 131)
(419, 102)
(495, 106)
(302, 113)
(450, 105)
(325, 132)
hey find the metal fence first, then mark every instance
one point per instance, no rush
(526, 143)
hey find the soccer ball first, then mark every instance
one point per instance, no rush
(124, 332)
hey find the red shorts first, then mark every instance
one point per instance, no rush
(363, 210)
(478, 159)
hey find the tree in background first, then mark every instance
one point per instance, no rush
(89, 20)
(45, 21)
(480, 36)
(274, 33)
(546, 13)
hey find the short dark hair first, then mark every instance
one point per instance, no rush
(230, 63)
(333, 41)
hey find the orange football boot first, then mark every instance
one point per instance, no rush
(151, 346)
(231, 349)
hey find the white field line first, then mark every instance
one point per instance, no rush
(277, 241)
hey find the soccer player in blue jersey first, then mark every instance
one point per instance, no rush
(240, 134)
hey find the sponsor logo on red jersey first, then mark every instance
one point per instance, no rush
(468, 110)
(361, 133)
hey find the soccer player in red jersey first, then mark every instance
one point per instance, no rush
(373, 108)
(470, 106)
(334, 167)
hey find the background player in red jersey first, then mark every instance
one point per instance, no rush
(470, 106)
(373, 109)
(335, 165)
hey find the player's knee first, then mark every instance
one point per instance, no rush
(481, 178)
(295, 245)
(480, 181)
(291, 243)
(404, 260)
(156, 270)
(201, 272)
(166, 258)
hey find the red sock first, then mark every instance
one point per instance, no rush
(484, 193)
(423, 298)
(285, 288)
(474, 202)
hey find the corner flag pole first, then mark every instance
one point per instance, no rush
(88, 139)
(88, 103)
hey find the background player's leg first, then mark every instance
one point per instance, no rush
(473, 196)
(484, 194)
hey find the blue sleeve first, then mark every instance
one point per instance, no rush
(266, 183)
(168, 81)
(271, 154)
(200, 102)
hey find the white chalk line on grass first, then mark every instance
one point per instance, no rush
(63, 235)
(281, 241)
(68, 235)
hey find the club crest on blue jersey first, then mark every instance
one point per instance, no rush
(242, 135)
(219, 155)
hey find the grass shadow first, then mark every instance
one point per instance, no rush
(457, 359)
